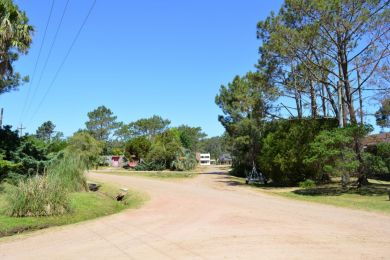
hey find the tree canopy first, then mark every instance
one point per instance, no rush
(101, 123)
(15, 39)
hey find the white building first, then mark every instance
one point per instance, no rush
(204, 159)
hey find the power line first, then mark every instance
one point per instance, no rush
(65, 58)
(49, 54)
(36, 62)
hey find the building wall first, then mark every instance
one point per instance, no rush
(204, 159)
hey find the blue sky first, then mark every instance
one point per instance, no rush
(138, 58)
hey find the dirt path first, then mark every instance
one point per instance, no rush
(206, 218)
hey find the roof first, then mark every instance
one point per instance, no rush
(375, 139)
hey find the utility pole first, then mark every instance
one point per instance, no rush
(1, 118)
(21, 128)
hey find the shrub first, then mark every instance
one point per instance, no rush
(69, 172)
(37, 196)
(383, 151)
(307, 184)
(332, 152)
(184, 161)
(150, 166)
(284, 148)
(138, 147)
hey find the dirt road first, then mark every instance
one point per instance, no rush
(208, 218)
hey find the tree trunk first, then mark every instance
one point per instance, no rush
(323, 100)
(298, 103)
(332, 101)
(360, 98)
(313, 101)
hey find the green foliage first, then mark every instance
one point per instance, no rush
(216, 146)
(190, 136)
(137, 148)
(383, 151)
(149, 126)
(9, 142)
(87, 147)
(185, 161)
(307, 184)
(165, 148)
(15, 39)
(8, 167)
(32, 155)
(245, 102)
(286, 146)
(37, 196)
(374, 165)
(68, 171)
(45, 131)
(383, 114)
(150, 166)
(101, 123)
(334, 152)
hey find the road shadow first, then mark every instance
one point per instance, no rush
(369, 190)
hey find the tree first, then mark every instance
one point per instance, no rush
(87, 147)
(246, 103)
(383, 114)
(9, 142)
(138, 147)
(101, 123)
(327, 38)
(165, 148)
(45, 131)
(15, 39)
(190, 136)
(149, 126)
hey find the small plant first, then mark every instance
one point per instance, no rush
(307, 184)
(37, 196)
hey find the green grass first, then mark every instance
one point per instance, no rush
(85, 206)
(370, 198)
(152, 174)
(378, 203)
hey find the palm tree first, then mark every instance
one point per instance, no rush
(15, 38)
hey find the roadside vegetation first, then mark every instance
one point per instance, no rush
(372, 197)
(84, 206)
(300, 118)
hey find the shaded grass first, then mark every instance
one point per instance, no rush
(85, 206)
(373, 197)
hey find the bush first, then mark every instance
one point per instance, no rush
(383, 151)
(332, 152)
(284, 148)
(307, 184)
(137, 147)
(37, 196)
(184, 161)
(69, 172)
(151, 166)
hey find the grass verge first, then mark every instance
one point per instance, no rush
(85, 206)
(151, 174)
(373, 197)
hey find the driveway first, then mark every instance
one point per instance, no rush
(208, 217)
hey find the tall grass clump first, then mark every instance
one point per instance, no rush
(68, 171)
(37, 196)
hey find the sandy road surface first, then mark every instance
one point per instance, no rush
(206, 218)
